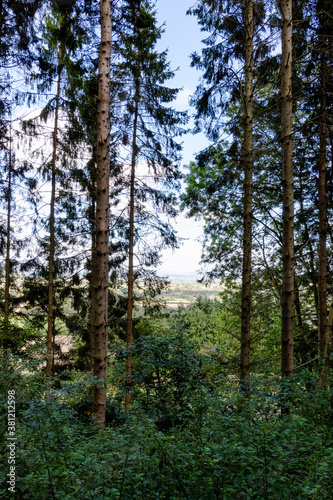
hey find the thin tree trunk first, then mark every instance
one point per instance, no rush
(8, 241)
(298, 305)
(50, 315)
(53, 351)
(308, 240)
(287, 302)
(131, 252)
(93, 266)
(322, 272)
(92, 221)
(248, 188)
(100, 271)
(327, 345)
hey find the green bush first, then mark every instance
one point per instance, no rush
(212, 443)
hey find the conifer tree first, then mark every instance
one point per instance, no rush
(287, 301)
(59, 66)
(322, 191)
(17, 38)
(150, 127)
(17, 184)
(234, 22)
(313, 55)
(100, 271)
(50, 309)
(17, 35)
(8, 240)
(248, 202)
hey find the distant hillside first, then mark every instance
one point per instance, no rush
(185, 277)
(184, 289)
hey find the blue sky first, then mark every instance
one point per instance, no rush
(182, 37)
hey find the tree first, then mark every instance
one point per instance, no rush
(63, 37)
(287, 300)
(248, 182)
(17, 34)
(322, 191)
(8, 239)
(50, 315)
(100, 271)
(311, 158)
(232, 22)
(150, 127)
(17, 37)
(17, 184)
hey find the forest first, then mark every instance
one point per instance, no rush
(115, 382)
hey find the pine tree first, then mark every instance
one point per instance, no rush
(234, 22)
(287, 301)
(16, 183)
(150, 127)
(322, 191)
(8, 241)
(17, 32)
(17, 38)
(248, 186)
(60, 65)
(100, 271)
(50, 315)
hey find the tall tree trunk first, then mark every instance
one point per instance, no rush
(131, 252)
(93, 266)
(8, 241)
(100, 271)
(50, 308)
(287, 302)
(92, 221)
(298, 305)
(322, 272)
(309, 244)
(328, 341)
(248, 187)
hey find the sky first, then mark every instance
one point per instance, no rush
(182, 37)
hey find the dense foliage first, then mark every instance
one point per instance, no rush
(190, 433)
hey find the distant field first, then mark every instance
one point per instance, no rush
(185, 290)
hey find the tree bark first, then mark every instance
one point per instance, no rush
(93, 266)
(311, 251)
(100, 270)
(50, 308)
(287, 301)
(328, 340)
(8, 241)
(322, 192)
(298, 305)
(329, 333)
(92, 221)
(248, 188)
(131, 252)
